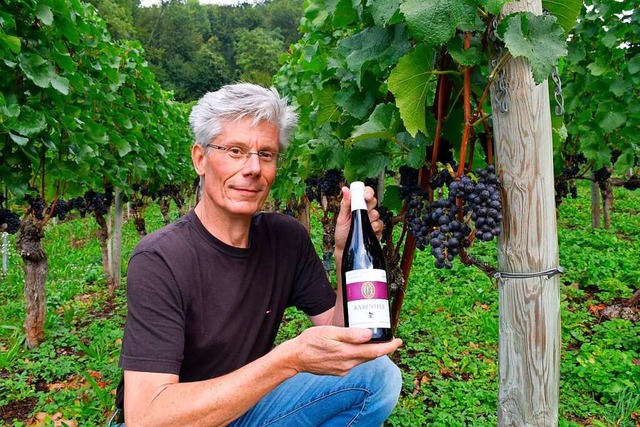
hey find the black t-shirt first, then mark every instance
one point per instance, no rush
(200, 308)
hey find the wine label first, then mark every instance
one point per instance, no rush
(367, 298)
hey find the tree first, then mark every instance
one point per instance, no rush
(173, 58)
(284, 15)
(119, 17)
(257, 53)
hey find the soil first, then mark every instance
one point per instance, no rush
(17, 410)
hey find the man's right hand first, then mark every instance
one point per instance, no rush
(334, 350)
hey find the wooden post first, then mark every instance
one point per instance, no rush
(529, 300)
(116, 249)
(595, 203)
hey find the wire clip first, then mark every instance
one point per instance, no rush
(502, 276)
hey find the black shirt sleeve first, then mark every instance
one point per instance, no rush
(154, 331)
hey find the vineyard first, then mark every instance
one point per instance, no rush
(500, 137)
(450, 329)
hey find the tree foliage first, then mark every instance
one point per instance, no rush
(601, 86)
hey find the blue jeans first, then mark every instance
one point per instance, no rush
(364, 397)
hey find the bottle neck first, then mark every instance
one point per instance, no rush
(357, 199)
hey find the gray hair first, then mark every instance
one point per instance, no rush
(239, 101)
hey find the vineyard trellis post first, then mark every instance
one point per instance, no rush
(116, 248)
(528, 259)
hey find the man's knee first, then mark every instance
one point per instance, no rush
(389, 375)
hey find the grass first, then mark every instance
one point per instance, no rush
(449, 325)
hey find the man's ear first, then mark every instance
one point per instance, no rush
(199, 158)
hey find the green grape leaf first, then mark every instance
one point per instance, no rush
(465, 57)
(10, 110)
(597, 68)
(30, 122)
(373, 47)
(356, 104)
(43, 13)
(538, 38)
(417, 147)
(37, 69)
(566, 11)
(367, 158)
(619, 87)
(435, 22)
(593, 148)
(11, 42)
(344, 14)
(384, 122)
(493, 6)
(392, 198)
(634, 65)
(20, 140)
(610, 120)
(384, 12)
(123, 146)
(60, 84)
(328, 110)
(413, 83)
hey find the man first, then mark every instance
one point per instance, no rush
(206, 295)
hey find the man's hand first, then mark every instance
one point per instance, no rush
(331, 350)
(344, 217)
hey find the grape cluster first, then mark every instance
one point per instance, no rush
(484, 202)
(312, 191)
(572, 167)
(447, 224)
(602, 174)
(60, 210)
(9, 221)
(633, 183)
(563, 189)
(37, 206)
(409, 186)
(328, 185)
(97, 203)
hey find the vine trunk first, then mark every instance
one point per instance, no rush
(29, 244)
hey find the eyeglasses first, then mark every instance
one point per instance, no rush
(242, 153)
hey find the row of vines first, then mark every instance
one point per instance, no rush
(83, 125)
(392, 91)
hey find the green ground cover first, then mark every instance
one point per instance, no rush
(449, 325)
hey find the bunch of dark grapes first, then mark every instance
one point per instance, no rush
(373, 183)
(602, 174)
(36, 206)
(78, 204)
(572, 166)
(442, 224)
(409, 186)
(312, 191)
(330, 184)
(633, 183)
(442, 178)
(484, 202)
(61, 209)
(386, 215)
(97, 202)
(9, 221)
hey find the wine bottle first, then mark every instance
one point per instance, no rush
(365, 292)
